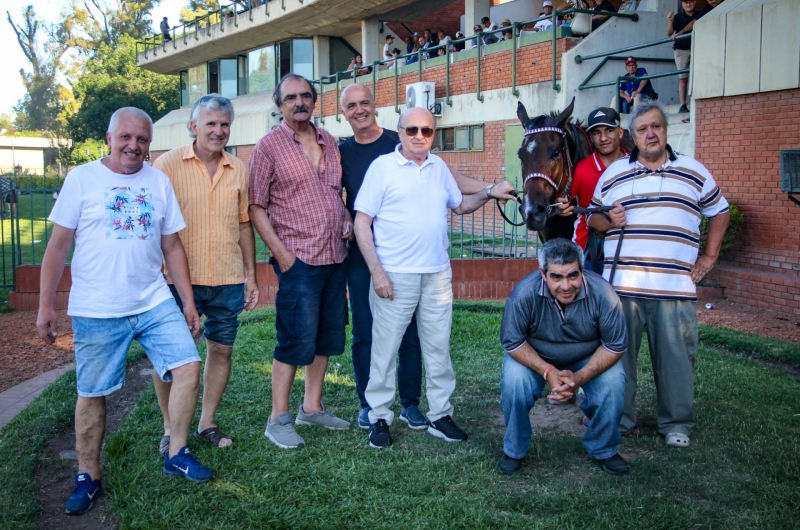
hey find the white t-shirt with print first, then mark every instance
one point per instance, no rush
(118, 222)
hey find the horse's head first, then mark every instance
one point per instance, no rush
(544, 164)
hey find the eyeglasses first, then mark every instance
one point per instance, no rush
(211, 97)
(427, 132)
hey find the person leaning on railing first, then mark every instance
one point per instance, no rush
(601, 5)
(632, 92)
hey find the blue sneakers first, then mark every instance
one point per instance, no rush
(414, 418)
(85, 491)
(185, 464)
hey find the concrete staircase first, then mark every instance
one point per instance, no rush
(679, 135)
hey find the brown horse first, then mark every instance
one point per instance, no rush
(552, 147)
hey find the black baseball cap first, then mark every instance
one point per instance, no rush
(389, 37)
(603, 116)
(484, 20)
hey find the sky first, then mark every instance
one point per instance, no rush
(12, 89)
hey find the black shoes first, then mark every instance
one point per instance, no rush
(508, 465)
(447, 430)
(379, 436)
(614, 465)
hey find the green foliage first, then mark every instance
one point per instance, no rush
(112, 80)
(105, 22)
(96, 149)
(734, 226)
(751, 345)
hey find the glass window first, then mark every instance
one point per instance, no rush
(241, 72)
(449, 139)
(184, 88)
(303, 57)
(284, 58)
(213, 77)
(477, 138)
(261, 67)
(228, 78)
(438, 140)
(462, 138)
(198, 82)
(231, 149)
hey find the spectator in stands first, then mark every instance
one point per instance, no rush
(398, 61)
(544, 25)
(423, 44)
(487, 26)
(632, 92)
(358, 67)
(165, 29)
(444, 38)
(476, 29)
(527, 29)
(459, 46)
(601, 5)
(387, 48)
(508, 34)
(628, 5)
(409, 44)
(677, 25)
(710, 4)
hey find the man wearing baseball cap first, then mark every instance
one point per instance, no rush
(632, 92)
(605, 132)
(387, 48)
(544, 25)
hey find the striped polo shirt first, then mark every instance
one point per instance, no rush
(662, 234)
(213, 207)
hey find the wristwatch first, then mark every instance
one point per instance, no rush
(488, 190)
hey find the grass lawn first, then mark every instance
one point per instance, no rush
(742, 470)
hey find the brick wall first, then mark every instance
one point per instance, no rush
(472, 280)
(739, 139)
(534, 65)
(447, 18)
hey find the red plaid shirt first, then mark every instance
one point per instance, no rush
(305, 209)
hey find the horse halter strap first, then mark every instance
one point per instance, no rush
(546, 178)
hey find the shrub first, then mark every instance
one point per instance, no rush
(734, 226)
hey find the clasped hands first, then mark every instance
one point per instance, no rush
(563, 384)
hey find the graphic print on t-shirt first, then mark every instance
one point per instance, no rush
(129, 213)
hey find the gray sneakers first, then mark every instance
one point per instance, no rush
(323, 418)
(281, 432)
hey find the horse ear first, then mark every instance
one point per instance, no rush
(522, 114)
(563, 118)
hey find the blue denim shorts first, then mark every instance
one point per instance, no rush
(101, 346)
(311, 311)
(221, 304)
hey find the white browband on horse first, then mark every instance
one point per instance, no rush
(550, 210)
(558, 130)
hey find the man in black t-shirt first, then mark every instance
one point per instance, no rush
(369, 141)
(682, 24)
(601, 5)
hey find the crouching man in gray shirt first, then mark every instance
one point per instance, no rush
(563, 326)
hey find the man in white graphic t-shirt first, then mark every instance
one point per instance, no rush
(124, 219)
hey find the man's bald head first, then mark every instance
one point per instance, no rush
(358, 107)
(415, 114)
(355, 91)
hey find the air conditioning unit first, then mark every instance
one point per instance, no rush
(420, 95)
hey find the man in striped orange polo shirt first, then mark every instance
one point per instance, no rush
(212, 190)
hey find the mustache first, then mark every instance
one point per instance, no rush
(301, 108)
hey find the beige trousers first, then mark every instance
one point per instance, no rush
(431, 296)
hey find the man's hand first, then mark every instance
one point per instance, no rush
(566, 209)
(285, 263)
(670, 15)
(348, 234)
(250, 294)
(502, 191)
(702, 266)
(382, 284)
(617, 216)
(192, 318)
(562, 387)
(47, 326)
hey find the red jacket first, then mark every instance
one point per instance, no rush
(587, 173)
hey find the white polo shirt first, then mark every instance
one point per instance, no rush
(408, 204)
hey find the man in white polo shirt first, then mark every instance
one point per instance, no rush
(401, 227)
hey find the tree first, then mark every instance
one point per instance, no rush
(41, 106)
(105, 21)
(199, 8)
(112, 80)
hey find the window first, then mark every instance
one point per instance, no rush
(184, 88)
(228, 78)
(213, 77)
(303, 57)
(198, 82)
(261, 70)
(241, 72)
(462, 138)
(231, 149)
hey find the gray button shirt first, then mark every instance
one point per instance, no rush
(564, 337)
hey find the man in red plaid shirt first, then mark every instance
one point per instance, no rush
(296, 206)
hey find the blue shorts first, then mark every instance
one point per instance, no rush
(311, 311)
(101, 346)
(221, 305)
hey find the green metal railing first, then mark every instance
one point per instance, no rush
(612, 55)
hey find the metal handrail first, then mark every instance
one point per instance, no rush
(622, 78)
(580, 58)
(584, 86)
